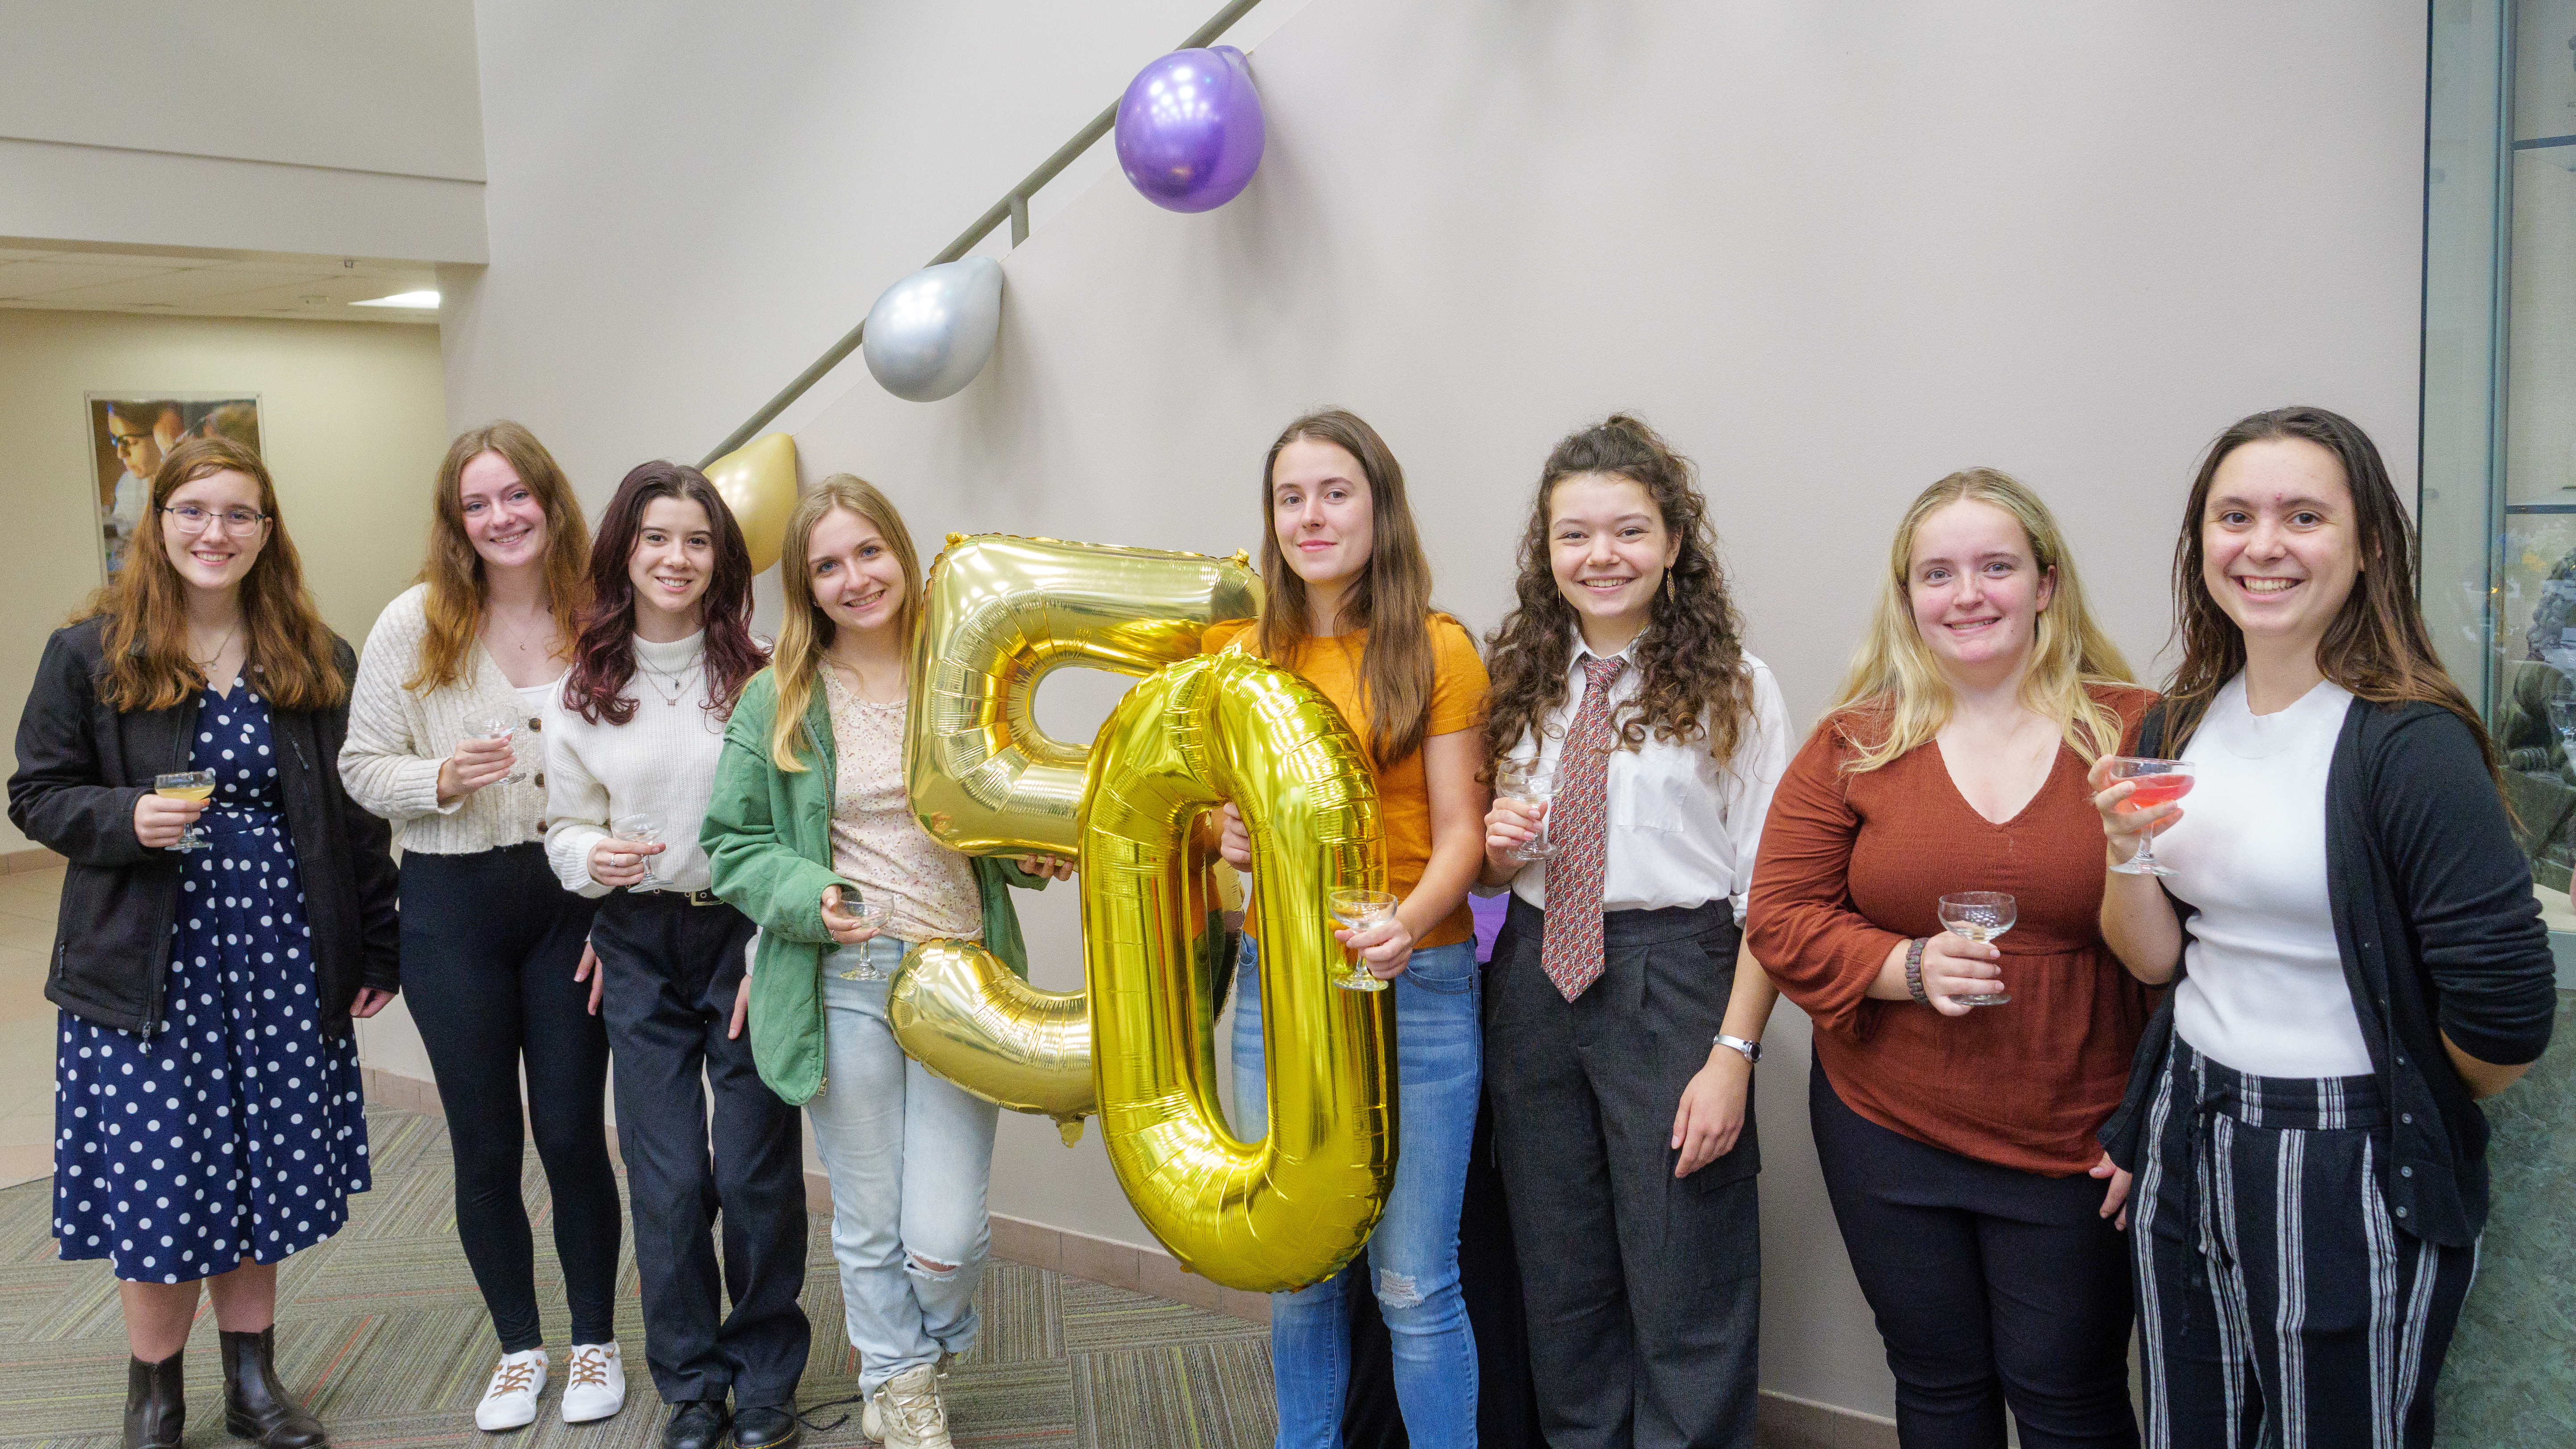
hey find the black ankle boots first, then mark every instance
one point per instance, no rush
(156, 1403)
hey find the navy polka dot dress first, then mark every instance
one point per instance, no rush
(234, 1131)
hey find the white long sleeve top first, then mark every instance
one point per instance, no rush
(399, 737)
(1683, 828)
(661, 763)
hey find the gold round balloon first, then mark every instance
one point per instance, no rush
(758, 482)
(1293, 1208)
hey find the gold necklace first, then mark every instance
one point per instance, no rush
(206, 666)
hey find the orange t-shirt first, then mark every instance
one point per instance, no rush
(1458, 687)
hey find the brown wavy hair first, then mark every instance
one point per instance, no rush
(454, 571)
(603, 661)
(804, 630)
(2376, 645)
(1690, 659)
(146, 607)
(1392, 599)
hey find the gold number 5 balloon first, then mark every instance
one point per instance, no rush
(1137, 1045)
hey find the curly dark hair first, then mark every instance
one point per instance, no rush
(604, 657)
(1691, 656)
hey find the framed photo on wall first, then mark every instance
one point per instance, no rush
(128, 436)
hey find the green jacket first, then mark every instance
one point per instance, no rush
(768, 839)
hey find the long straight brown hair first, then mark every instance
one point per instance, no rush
(1392, 599)
(454, 571)
(146, 607)
(804, 630)
(2376, 645)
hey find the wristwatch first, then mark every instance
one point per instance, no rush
(1914, 970)
(1752, 1049)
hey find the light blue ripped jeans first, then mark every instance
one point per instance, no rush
(909, 1156)
(1413, 1256)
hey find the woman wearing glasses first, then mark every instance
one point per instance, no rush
(212, 950)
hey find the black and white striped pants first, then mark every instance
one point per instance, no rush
(2279, 1304)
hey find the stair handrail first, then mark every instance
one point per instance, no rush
(1013, 207)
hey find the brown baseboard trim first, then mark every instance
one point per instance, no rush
(1015, 1240)
(1784, 1421)
(34, 857)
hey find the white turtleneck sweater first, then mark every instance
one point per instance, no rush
(661, 763)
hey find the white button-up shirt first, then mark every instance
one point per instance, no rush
(1683, 828)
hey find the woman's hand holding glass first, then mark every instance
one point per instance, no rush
(2125, 829)
(1383, 947)
(161, 821)
(852, 925)
(616, 862)
(1955, 967)
(479, 760)
(1512, 828)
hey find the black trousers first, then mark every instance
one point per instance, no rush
(489, 945)
(1992, 1287)
(672, 970)
(2279, 1301)
(1643, 1291)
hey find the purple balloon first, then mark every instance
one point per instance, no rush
(1189, 129)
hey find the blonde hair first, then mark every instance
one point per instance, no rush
(805, 631)
(1894, 673)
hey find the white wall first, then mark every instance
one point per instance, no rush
(1834, 252)
(260, 125)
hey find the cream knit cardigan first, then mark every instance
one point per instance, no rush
(398, 739)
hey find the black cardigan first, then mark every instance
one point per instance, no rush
(2440, 935)
(81, 767)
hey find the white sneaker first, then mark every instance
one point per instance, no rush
(906, 1412)
(594, 1382)
(511, 1401)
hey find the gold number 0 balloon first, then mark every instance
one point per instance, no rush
(999, 613)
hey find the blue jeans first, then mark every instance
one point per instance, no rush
(908, 1156)
(1413, 1255)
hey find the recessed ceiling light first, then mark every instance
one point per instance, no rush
(402, 299)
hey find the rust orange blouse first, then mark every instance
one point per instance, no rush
(1853, 864)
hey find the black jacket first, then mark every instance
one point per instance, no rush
(2440, 935)
(81, 767)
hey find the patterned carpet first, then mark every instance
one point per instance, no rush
(382, 1331)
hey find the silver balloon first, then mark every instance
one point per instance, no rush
(930, 333)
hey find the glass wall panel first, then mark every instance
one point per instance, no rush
(2498, 515)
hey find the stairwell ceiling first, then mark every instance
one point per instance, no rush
(52, 276)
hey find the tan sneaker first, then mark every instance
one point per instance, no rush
(906, 1411)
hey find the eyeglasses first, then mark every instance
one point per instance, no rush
(193, 519)
(124, 441)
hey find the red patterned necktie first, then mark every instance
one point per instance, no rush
(1578, 825)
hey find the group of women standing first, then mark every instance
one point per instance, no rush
(604, 789)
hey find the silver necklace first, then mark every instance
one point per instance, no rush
(679, 686)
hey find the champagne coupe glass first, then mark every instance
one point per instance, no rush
(2158, 782)
(1979, 916)
(1524, 781)
(643, 830)
(875, 916)
(501, 727)
(1360, 910)
(187, 785)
